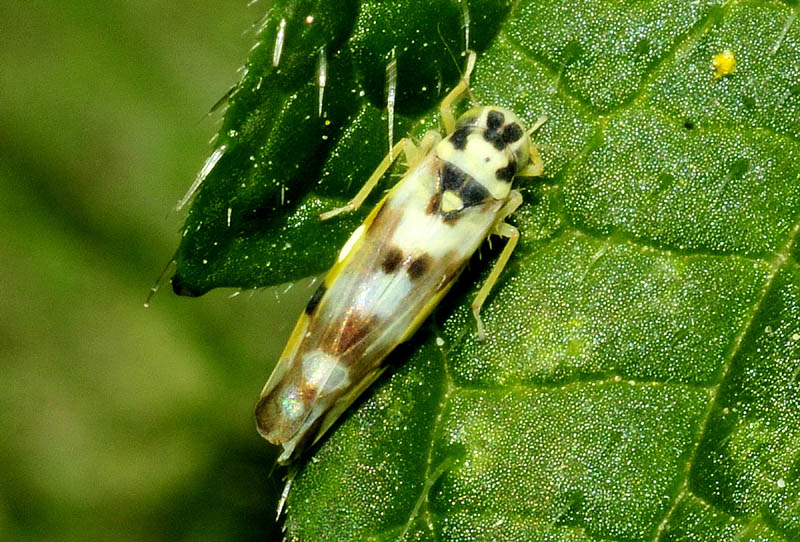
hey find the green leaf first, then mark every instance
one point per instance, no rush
(640, 381)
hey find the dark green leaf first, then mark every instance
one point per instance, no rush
(640, 381)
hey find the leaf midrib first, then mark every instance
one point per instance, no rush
(781, 260)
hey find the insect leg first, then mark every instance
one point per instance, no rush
(412, 152)
(362, 194)
(504, 229)
(535, 166)
(446, 109)
(415, 153)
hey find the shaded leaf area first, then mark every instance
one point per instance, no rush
(640, 378)
(307, 124)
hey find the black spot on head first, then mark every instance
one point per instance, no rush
(507, 173)
(451, 177)
(392, 260)
(494, 137)
(459, 138)
(315, 299)
(419, 266)
(494, 120)
(492, 134)
(511, 133)
(473, 193)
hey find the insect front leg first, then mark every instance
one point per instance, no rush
(535, 166)
(446, 108)
(413, 154)
(503, 229)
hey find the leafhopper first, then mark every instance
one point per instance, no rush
(396, 266)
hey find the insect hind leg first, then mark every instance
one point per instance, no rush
(503, 229)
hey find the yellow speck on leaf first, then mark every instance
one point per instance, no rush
(724, 64)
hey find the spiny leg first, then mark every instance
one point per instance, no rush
(502, 229)
(446, 108)
(413, 153)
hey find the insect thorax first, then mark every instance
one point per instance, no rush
(489, 145)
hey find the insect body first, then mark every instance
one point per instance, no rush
(397, 266)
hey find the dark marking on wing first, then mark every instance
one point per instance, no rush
(473, 193)
(315, 299)
(352, 331)
(379, 216)
(454, 266)
(511, 133)
(385, 219)
(459, 138)
(507, 173)
(392, 260)
(419, 266)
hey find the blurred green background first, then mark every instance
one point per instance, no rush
(120, 422)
